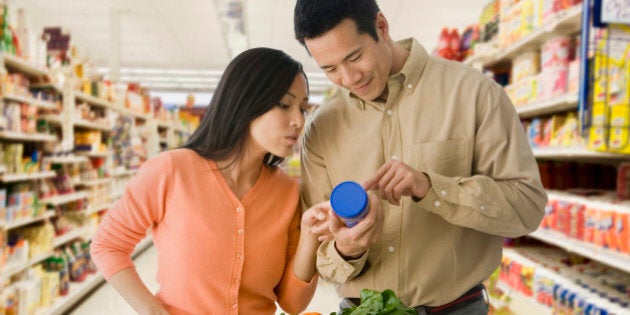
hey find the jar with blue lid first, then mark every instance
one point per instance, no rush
(350, 202)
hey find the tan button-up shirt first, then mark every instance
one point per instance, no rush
(459, 127)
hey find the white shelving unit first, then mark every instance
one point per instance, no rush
(520, 303)
(564, 23)
(20, 136)
(78, 290)
(69, 236)
(571, 153)
(550, 106)
(95, 182)
(63, 199)
(68, 159)
(67, 121)
(26, 221)
(30, 100)
(10, 178)
(10, 270)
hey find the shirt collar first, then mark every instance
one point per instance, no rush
(411, 71)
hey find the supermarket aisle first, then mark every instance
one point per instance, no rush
(105, 301)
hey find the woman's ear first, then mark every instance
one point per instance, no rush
(272, 160)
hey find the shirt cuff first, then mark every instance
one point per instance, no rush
(442, 196)
(334, 268)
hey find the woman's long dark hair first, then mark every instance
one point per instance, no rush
(253, 83)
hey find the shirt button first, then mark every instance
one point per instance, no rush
(234, 305)
(409, 86)
(391, 249)
(443, 192)
(482, 208)
(346, 267)
(240, 231)
(239, 209)
(239, 256)
(388, 112)
(437, 203)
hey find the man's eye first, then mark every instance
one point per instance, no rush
(355, 59)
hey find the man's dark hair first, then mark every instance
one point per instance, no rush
(252, 84)
(313, 18)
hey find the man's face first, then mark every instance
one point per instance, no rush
(354, 61)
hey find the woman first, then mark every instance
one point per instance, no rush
(225, 220)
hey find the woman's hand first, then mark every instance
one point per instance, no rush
(315, 221)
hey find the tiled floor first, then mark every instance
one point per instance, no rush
(106, 301)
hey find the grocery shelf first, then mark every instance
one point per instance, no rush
(603, 255)
(94, 182)
(93, 154)
(26, 221)
(95, 209)
(23, 66)
(52, 119)
(63, 199)
(79, 289)
(30, 100)
(91, 125)
(68, 236)
(129, 112)
(564, 22)
(520, 303)
(124, 173)
(11, 269)
(550, 106)
(20, 136)
(94, 100)
(67, 159)
(54, 87)
(564, 153)
(10, 178)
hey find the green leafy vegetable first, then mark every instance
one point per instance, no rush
(379, 303)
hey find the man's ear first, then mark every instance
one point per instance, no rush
(382, 26)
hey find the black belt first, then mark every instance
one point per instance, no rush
(473, 295)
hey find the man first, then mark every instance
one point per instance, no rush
(439, 142)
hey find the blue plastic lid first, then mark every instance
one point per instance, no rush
(348, 199)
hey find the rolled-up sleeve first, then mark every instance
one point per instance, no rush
(505, 196)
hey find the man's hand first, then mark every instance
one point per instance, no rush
(396, 179)
(353, 242)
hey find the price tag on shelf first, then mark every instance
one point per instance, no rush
(613, 11)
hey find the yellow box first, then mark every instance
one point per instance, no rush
(571, 135)
(557, 130)
(618, 140)
(619, 116)
(599, 115)
(597, 138)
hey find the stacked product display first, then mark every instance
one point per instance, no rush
(68, 145)
(578, 261)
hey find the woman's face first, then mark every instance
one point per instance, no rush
(278, 130)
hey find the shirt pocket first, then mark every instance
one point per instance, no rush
(446, 157)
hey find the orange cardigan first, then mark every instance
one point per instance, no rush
(216, 254)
